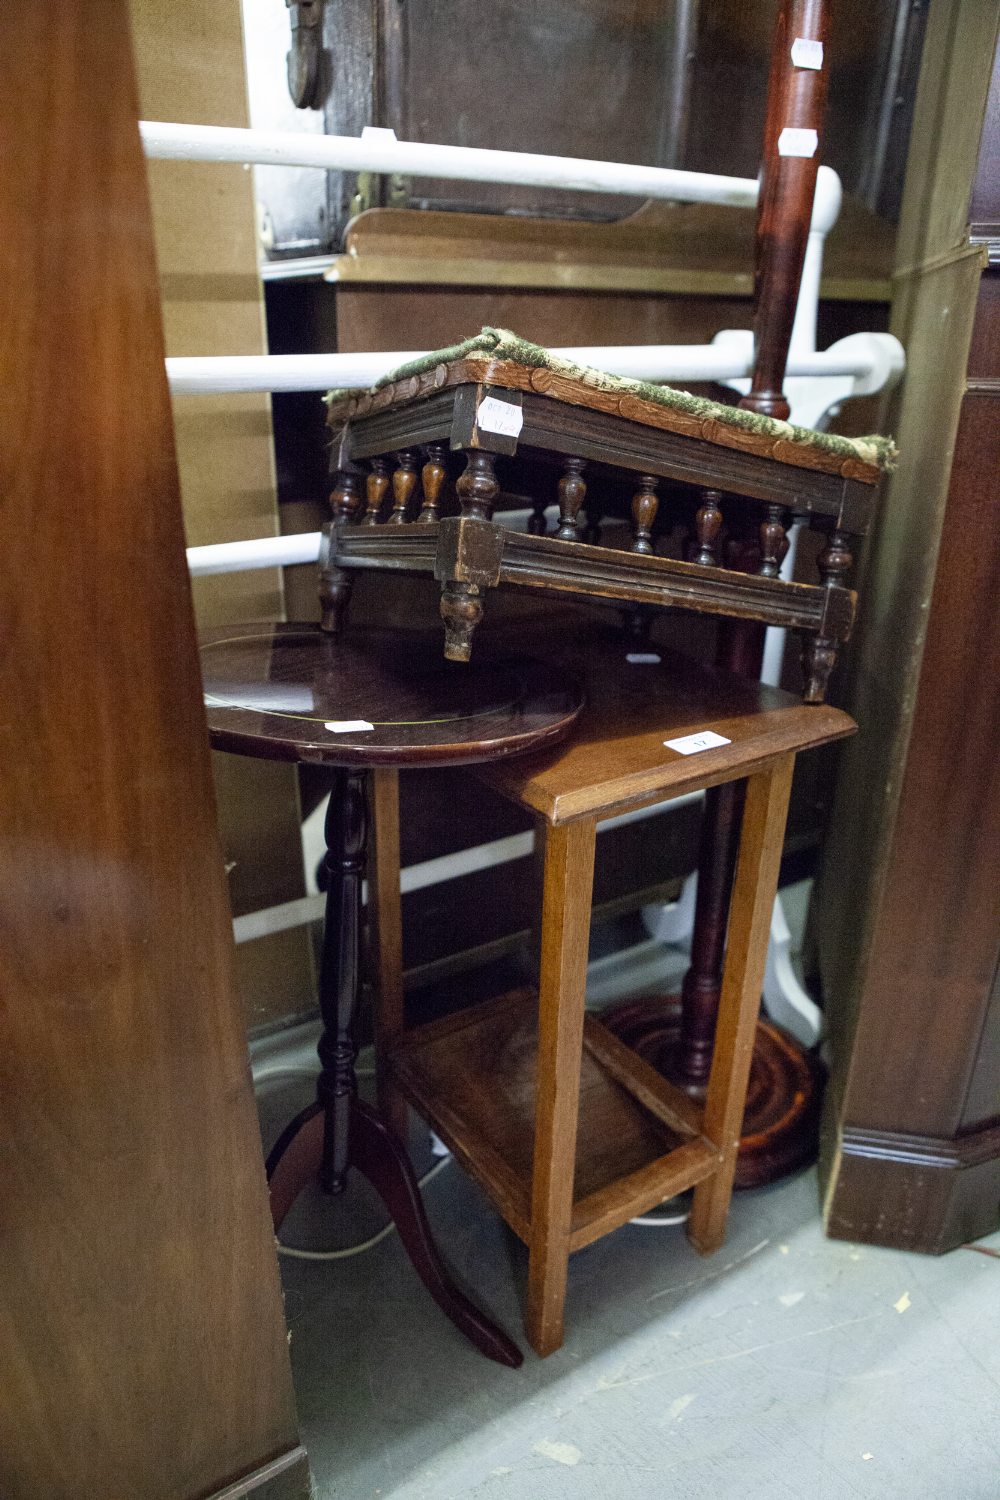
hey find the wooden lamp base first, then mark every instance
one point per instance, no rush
(781, 1122)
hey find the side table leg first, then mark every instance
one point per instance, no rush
(566, 901)
(756, 885)
(385, 940)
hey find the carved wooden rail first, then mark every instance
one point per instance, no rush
(399, 513)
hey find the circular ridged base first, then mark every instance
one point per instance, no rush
(781, 1122)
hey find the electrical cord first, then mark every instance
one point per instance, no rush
(360, 1248)
(647, 1221)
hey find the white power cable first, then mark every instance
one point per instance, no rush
(376, 1239)
(359, 1249)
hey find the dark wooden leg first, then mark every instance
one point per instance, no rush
(377, 1154)
(462, 603)
(461, 610)
(678, 1035)
(339, 1131)
(335, 587)
(819, 652)
(754, 890)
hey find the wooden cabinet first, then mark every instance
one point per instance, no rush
(908, 919)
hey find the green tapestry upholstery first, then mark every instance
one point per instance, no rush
(500, 343)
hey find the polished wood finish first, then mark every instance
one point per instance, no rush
(908, 946)
(569, 1132)
(142, 1338)
(568, 422)
(272, 690)
(339, 1131)
(565, 926)
(376, 491)
(432, 477)
(645, 504)
(616, 758)
(404, 482)
(796, 99)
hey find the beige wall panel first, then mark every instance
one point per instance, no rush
(190, 64)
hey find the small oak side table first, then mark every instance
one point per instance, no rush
(366, 705)
(568, 1130)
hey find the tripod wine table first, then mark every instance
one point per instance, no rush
(365, 706)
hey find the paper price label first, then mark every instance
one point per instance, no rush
(348, 726)
(795, 142)
(807, 53)
(499, 416)
(691, 744)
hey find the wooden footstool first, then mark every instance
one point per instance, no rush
(569, 1132)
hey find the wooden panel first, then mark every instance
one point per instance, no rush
(937, 954)
(907, 917)
(142, 1340)
(206, 247)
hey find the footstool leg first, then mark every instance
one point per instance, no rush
(385, 940)
(755, 887)
(566, 900)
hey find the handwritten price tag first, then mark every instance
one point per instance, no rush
(499, 416)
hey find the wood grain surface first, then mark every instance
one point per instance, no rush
(142, 1340)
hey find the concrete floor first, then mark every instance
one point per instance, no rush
(785, 1366)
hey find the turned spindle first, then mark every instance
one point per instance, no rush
(404, 482)
(645, 504)
(819, 652)
(478, 490)
(572, 493)
(707, 525)
(773, 542)
(536, 521)
(375, 492)
(346, 832)
(796, 99)
(432, 478)
(345, 497)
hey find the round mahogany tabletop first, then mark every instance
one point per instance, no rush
(375, 698)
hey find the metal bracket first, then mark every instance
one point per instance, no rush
(303, 61)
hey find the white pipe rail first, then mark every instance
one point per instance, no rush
(201, 375)
(379, 151)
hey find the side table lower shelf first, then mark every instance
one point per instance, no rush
(472, 1077)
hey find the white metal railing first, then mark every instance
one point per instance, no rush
(379, 151)
(202, 375)
(860, 364)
